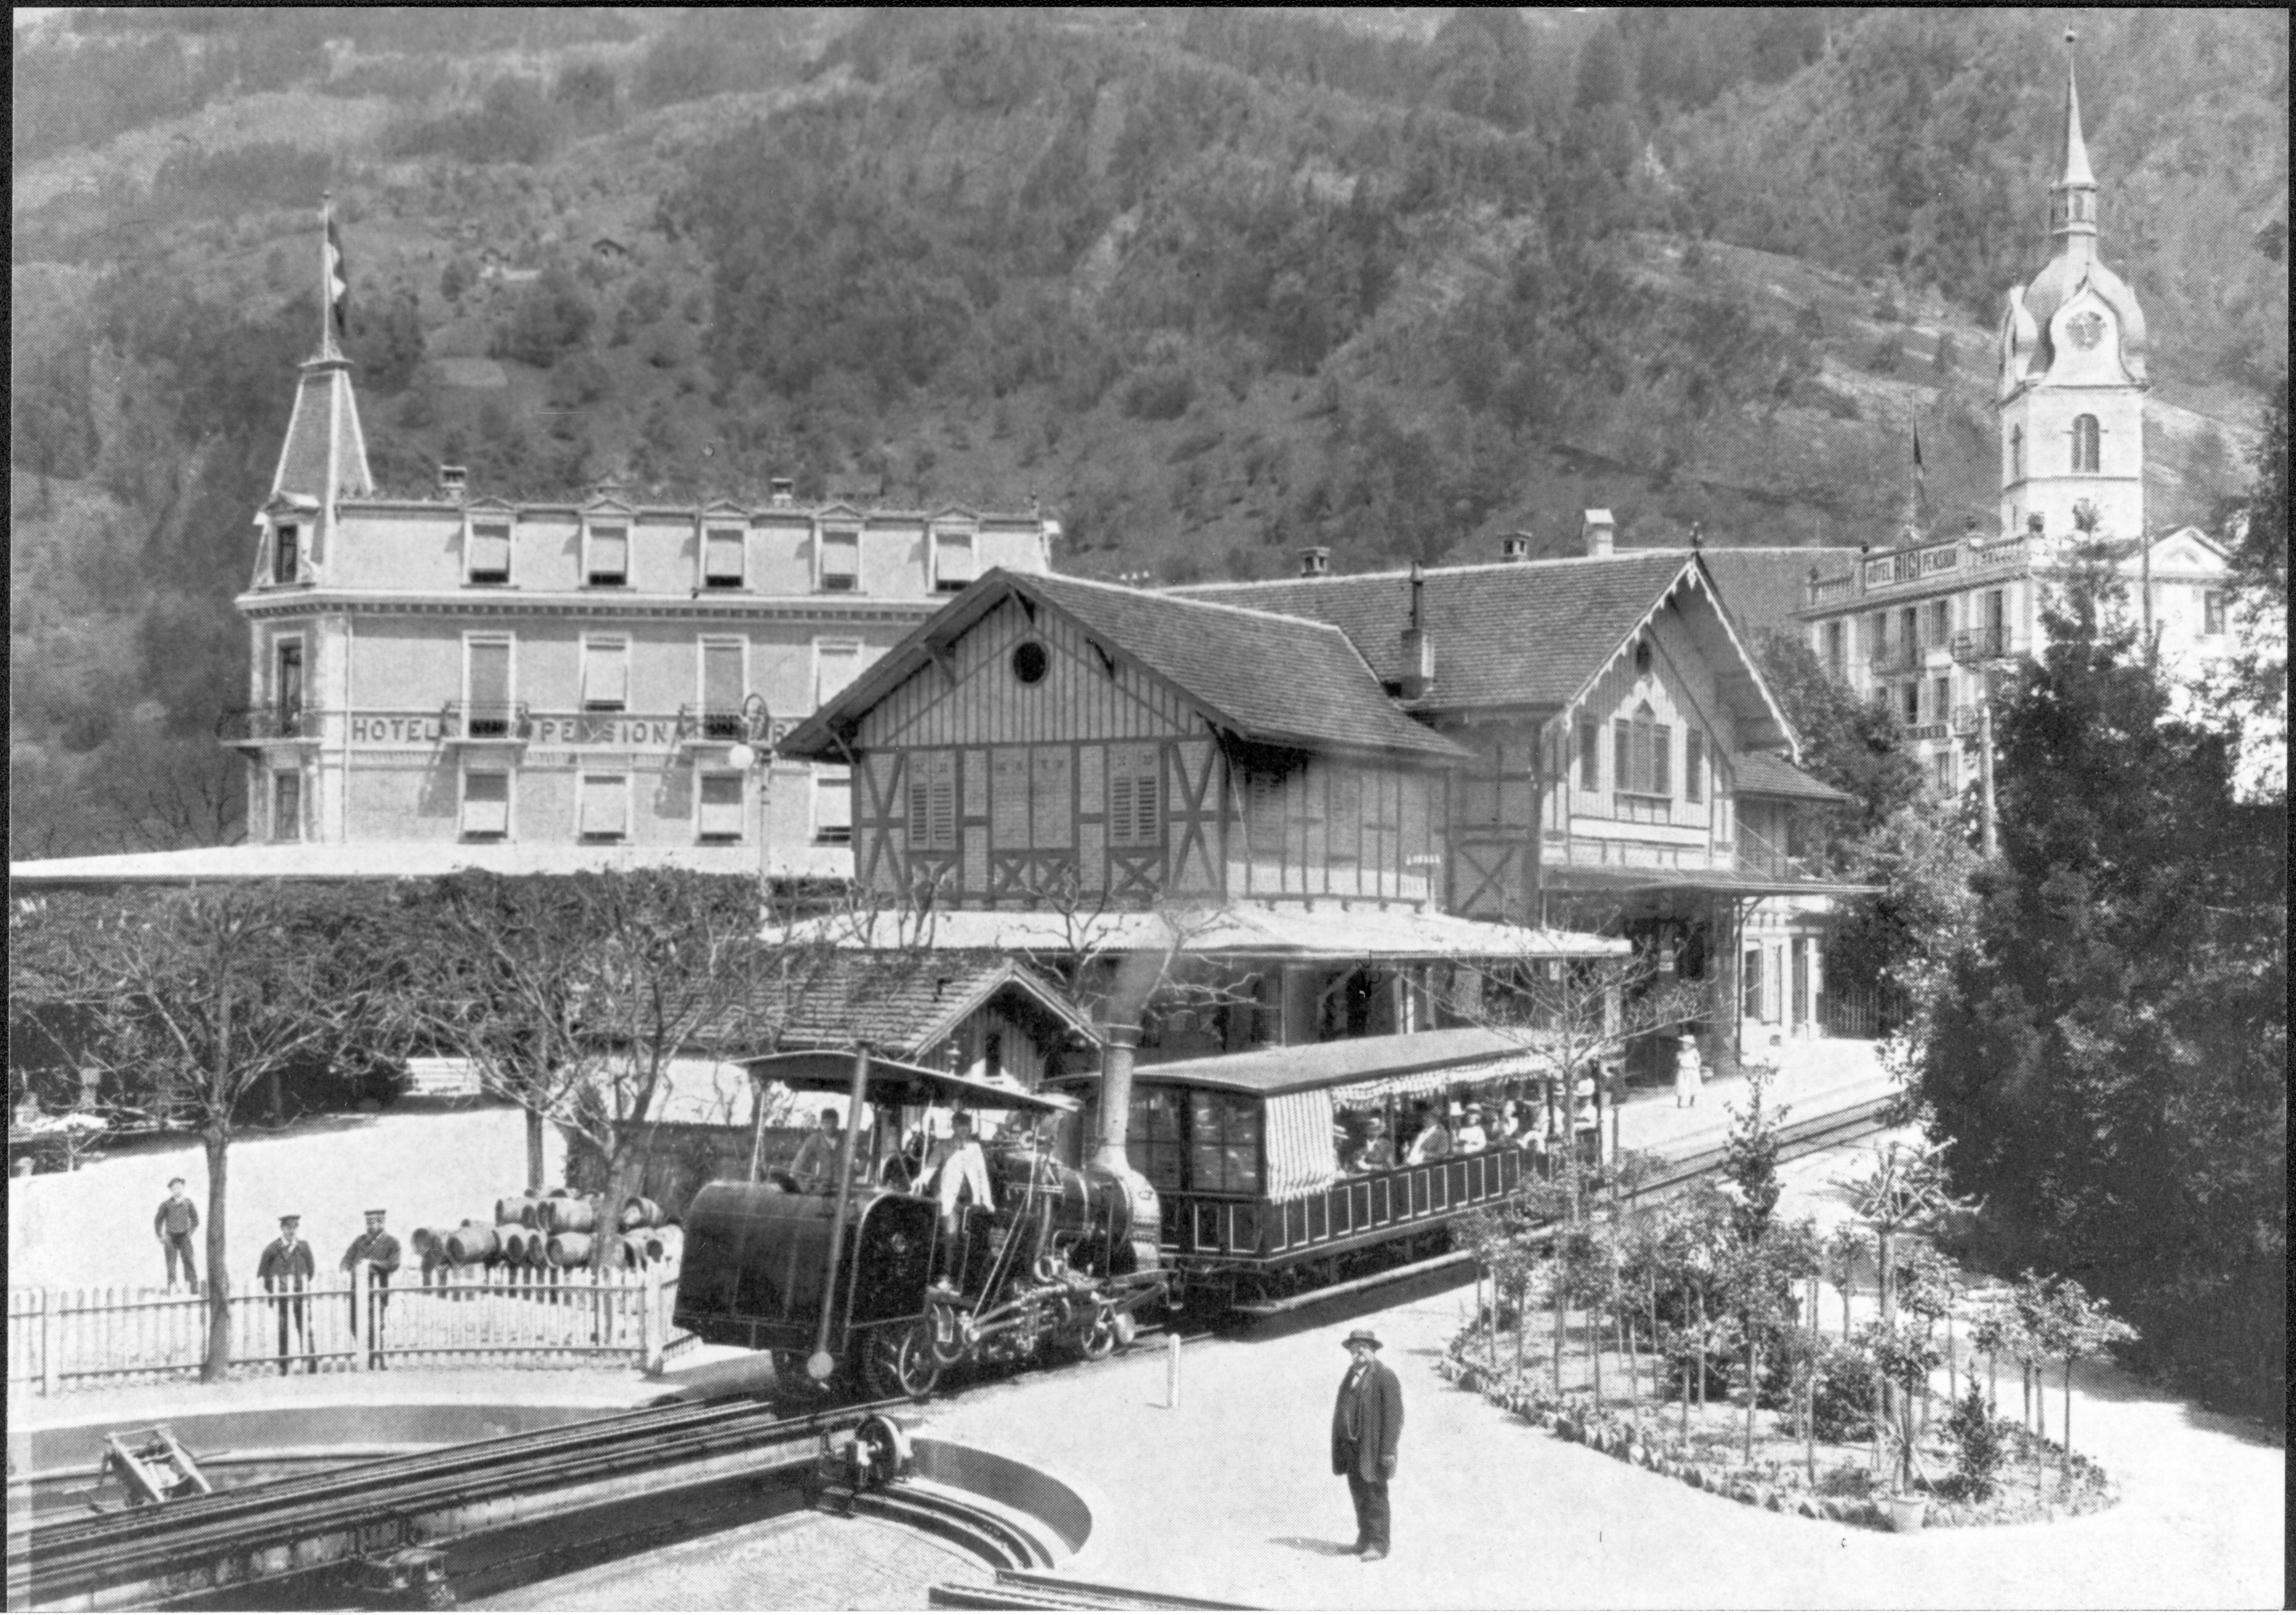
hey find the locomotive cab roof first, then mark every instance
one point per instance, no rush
(895, 1082)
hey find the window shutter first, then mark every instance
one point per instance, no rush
(609, 555)
(1052, 821)
(721, 558)
(485, 803)
(1693, 767)
(1622, 756)
(840, 560)
(932, 801)
(721, 806)
(833, 808)
(1120, 809)
(604, 798)
(490, 553)
(721, 678)
(953, 562)
(1661, 757)
(606, 675)
(1590, 755)
(489, 674)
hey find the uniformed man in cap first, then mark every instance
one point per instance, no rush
(378, 1253)
(1366, 1423)
(287, 1270)
(177, 1220)
(963, 1181)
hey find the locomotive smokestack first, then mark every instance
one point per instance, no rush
(1115, 1095)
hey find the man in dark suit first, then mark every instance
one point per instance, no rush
(286, 1272)
(378, 1252)
(1365, 1424)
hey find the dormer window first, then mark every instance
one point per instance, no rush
(486, 553)
(953, 562)
(721, 550)
(2085, 445)
(840, 560)
(286, 553)
(607, 562)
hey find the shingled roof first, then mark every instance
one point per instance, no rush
(1760, 774)
(901, 1004)
(1286, 681)
(1524, 634)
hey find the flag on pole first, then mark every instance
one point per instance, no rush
(339, 281)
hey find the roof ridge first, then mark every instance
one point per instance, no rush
(1431, 571)
(1167, 595)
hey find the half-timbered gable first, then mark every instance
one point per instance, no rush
(1048, 740)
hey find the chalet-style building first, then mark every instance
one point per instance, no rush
(543, 685)
(1921, 622)
(1489, 752)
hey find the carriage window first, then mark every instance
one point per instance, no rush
(1153, 1144)
(1224, 1143)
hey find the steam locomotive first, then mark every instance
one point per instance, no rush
(864, 1282)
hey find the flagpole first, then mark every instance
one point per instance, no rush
(326, 274)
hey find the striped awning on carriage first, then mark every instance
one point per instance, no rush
(1513, 1066)
(1303, 1153)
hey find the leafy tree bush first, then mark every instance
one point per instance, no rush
(1162, 394)
(552, 316)
(1980, 1447)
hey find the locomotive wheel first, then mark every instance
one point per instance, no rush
(1099, 1338)
(791, 1380)
(944, 1337)
(899, 1361)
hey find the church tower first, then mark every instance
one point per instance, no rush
(2072, 394)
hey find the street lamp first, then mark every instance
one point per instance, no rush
(755, 750)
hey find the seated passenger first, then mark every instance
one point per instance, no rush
(1509, 1136)
(1471, 1139)
(1430, 1142)
(1376, 1154)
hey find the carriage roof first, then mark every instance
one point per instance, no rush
(895, 1082)
(1400, 1062)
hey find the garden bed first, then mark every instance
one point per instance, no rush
(1849, 1488)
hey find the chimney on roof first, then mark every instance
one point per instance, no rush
(1515, 546)
(1314, 560)
(1597, 532)
(1697, 535)
(453, 483)
(780, 491)
(1418, 648)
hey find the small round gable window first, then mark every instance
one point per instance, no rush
(1030, 663)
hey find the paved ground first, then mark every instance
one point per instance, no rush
(799, 1561)
(434, 1167)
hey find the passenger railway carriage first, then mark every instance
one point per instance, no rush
(1268, 1166)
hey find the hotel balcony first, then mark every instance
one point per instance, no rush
(484, 723)
(712, 725)
(1981, 644)
(259, 727)
(1966, 721)
(1895, 657)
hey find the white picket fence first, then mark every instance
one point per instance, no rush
(66, 1340)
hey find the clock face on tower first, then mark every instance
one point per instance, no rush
(2086, 328)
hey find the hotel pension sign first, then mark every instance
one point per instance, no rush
(620, 730)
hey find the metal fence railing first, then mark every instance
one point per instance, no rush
(65, 1339)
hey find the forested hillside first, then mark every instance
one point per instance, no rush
(1209, 284)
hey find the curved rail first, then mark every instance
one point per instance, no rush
(352, 1512)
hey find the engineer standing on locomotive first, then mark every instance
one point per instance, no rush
(964, 1172)
(1366, 1423)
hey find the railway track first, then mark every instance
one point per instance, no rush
(1033, 1590)
(231, 1540)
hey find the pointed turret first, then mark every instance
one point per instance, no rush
(324, 456)
(2073, 200)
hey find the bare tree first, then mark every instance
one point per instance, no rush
(195, 998)
(574, 995)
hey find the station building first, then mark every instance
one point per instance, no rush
(526, 680)
(1921, 622)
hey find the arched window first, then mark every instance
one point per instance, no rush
(2085, 443)
(2016, 454)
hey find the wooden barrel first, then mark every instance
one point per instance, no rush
(665, 1244)
(508, 1236)
(515, 1209)
(568, 1251)
(639, 1212)
(567, 1216)
(471, 1243)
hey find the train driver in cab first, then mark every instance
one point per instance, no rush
(815, 1161)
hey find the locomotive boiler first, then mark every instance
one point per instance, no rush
(868, 1279)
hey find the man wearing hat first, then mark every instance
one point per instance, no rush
(1471, 1137)
(177, 1220)
(1377, 1154)
(378, 1253)
(287, 1270)
(1365, 1424)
